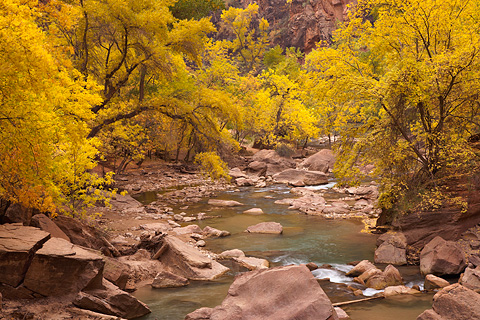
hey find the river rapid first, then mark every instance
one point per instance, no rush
(304, 239)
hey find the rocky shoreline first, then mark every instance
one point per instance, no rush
(136, 244)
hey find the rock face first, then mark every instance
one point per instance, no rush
(454, 302)
(302, 24)
(301, 177)
(421, 227)
(321, 161)
(17, 247)
(111, 300)
(440, 257)
(281, 293)
(61, 267)
(391, 249)
(266, 227)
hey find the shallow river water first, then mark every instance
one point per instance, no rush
(304, 239)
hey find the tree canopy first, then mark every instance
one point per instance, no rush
(404, 90)
(83, 81)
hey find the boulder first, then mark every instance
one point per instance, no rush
(187, 261)
(392, 276)
(369, 273)
(391, 249)
(127, 204)
(234, 253)
(471, 279)
(252, 263)
(60, 268)
(165, 279)
(193, 228)
(266, 227)
(295, 176)
(236, 173)
(454, 302)
(342, 315)
(79, 233)
(377, 281)
(245, 182)
(321, 161)
(360, 268)
(280, 293)
(224, 203)
(254, 211)
(46, 224)
(212, 232)
(117, 272)
(441, 257)
(257, 167)
(110, 300)
(396, 290)
(17, 247)
(274, 162)
(16, 213)
(433, 282)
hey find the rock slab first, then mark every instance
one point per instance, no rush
(281, 293)
(112, 301)
(61, 267)
(266, 227)
(17, 247)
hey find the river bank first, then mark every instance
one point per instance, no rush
(320, 226)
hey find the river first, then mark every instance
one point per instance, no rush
(304, 239)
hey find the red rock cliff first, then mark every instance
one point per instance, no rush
(302, 23)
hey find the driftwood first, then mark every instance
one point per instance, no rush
(344, 303)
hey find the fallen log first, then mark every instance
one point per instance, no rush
(344, 303)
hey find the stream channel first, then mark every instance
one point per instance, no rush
(304, 239)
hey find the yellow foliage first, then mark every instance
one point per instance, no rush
(212, 166)
(45, 107)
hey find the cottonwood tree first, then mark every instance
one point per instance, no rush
(404, 90)
(45, 105)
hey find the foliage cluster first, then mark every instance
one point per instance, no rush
(83, 81)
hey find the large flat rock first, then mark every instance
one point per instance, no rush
(282, 293)
(17, 246)
(61, 267)
(266, 227)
